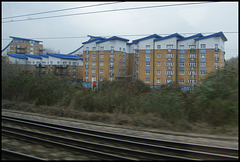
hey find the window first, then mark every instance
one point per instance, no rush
(147, 72)
(123, 49)
(181, 46)
(192, 72)
(203, 46)
(119, 70)
(148, 55)
(148, 46)
(101, 63)
(101, 78)
(101, 70)
(69, 63)
(120, 49)
(203, 72)
(192, 55)
(101, 55)
(101, 48)
(123, 70)
(93, 63)
(158, 72)
(181, 72)
(216, 46)
(181, 80)
(192, 46)
(181, 56)
(120, 56)
(147, 63)
(192, 81)
(169, 63)
(181, 64)
(158, 80)
(94, 48)
(87, 48)
(112, 47)
(93, 56)
(192, 64)
(158, 46)
(169, 72)
(169, 46)
(202, 64)
(169, 55)
(147, 80)
(158, 63)
(93, 70)
(158, 55)
(120, 63)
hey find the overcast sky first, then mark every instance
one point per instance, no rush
(185, 20)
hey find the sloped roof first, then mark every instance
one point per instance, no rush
(169, 36)
(190, 37)
(113, 38)
(19, 56)
(213, 35)
(76, 50)
(24, 39)
(65, 56)
(34, 56)
(148, 37)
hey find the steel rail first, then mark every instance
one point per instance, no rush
(15, 133)
(150, 131)
(128, 138)
(13, 155)
(76, 143)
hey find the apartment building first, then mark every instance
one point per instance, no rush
(57, 64)
(174, 58)
(154, 59)
(23, 46)
(105, 58)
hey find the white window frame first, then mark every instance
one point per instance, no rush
(147, 80)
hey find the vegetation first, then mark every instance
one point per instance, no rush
(212, 105)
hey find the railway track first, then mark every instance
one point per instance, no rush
(113, 146)
(13, 155)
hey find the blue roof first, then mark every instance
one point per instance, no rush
(190, 37)
(148, 37)
(18, 56)
(24, 39)
(65, 56)
(33, 56)
(213, 35)
(169, 36)
(43, 55)
(113, 38)
(93, 40)
(76, 50)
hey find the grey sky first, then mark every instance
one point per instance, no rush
(201, 18)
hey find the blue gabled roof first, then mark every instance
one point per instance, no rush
(18, 56)
(213, 35)
(148, 37)
(190, 37)
(113, 38)
(33, 56)
(93, 40)
(75, 50)
(65, 56)
(24, 39)
(169, 36)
